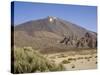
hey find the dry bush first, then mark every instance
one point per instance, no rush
(65, 62)
(95, 56)
(28, 60)
(71, 59)
(73, 66)
(80, 58)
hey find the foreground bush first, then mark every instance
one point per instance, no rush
(27, 60)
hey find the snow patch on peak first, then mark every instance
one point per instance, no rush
(51, 19)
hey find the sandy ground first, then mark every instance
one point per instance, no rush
(75, 60)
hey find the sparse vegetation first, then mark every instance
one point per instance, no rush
(52, 57)
(95, 56)
(61, 56)
(88, 59)
(52, 61)
(96, 62)
(80, 58)
(73, 66)
(70, 59)
(65, 62)
(27, 60)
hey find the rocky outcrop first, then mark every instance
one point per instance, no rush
(87, 41)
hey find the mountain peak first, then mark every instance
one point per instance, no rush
(51, 18)
(46, 32)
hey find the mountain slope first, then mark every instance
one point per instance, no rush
(53, 33)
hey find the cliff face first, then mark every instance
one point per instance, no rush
(87, 41)
(53, 33)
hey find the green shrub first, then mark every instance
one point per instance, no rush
(27, 60)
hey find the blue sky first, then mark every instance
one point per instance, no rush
(84, 16)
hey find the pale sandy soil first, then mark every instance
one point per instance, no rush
(80, 60)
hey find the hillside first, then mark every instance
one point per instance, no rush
(53, 34)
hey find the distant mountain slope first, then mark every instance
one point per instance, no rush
(53, 33)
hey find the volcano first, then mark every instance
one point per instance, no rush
(53, 34)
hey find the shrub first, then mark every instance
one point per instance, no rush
(73, 66)
(96, 62)
(65, 61)
(27, 60)
(80, 58)
(70, 59)
(95, 56)
(88, 59)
